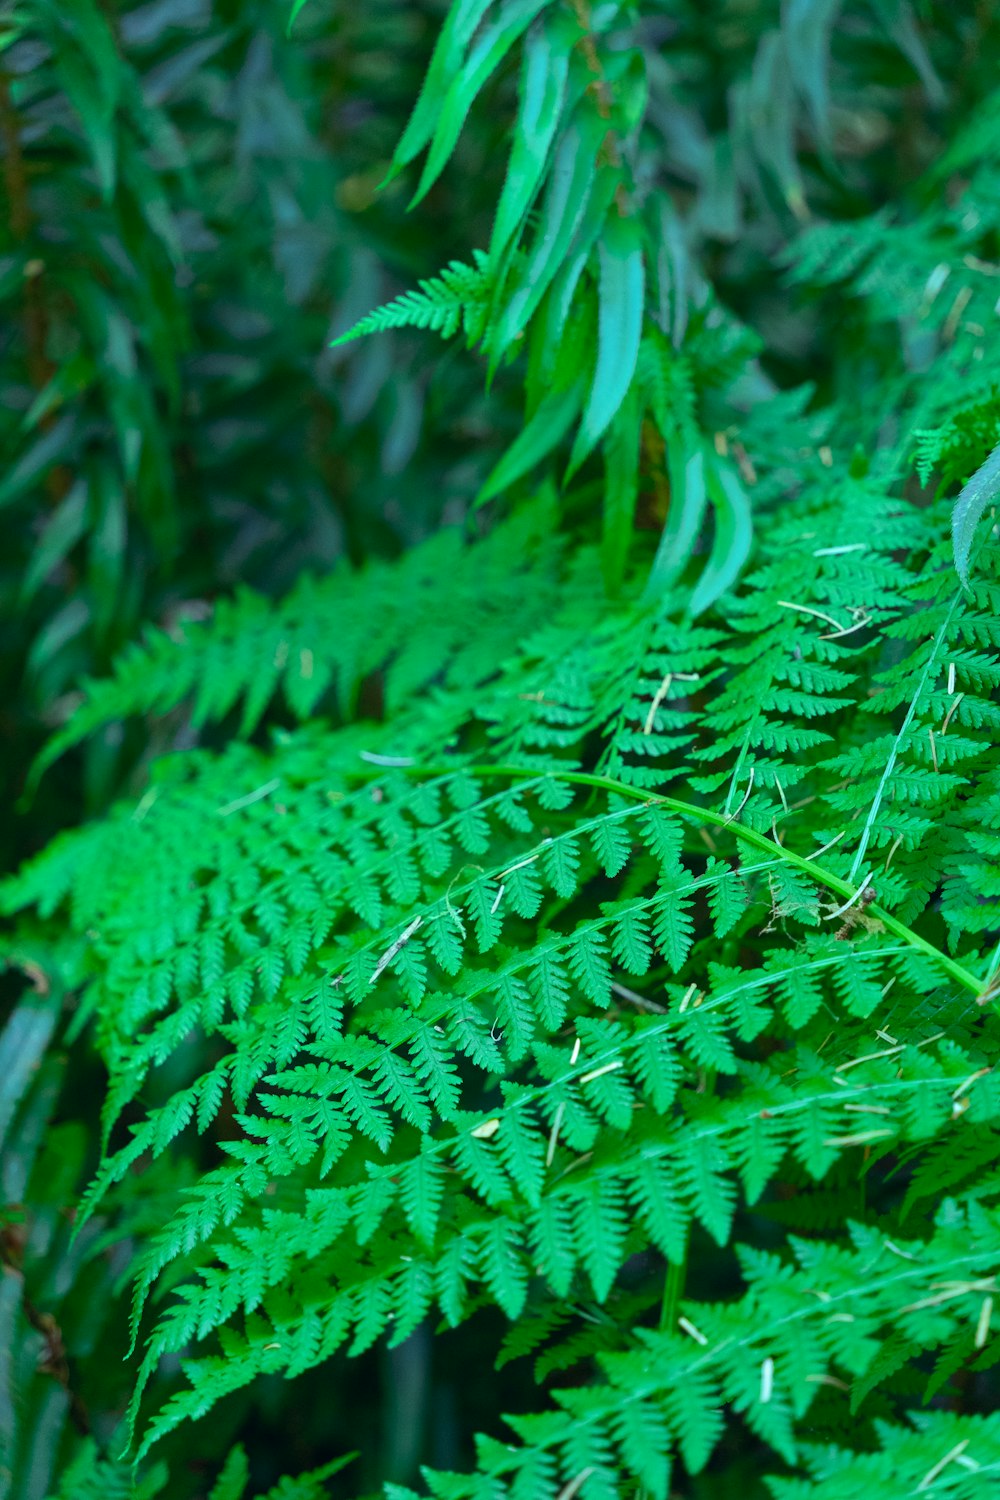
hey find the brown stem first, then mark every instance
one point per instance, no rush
(654, 452)
(599, 87)
(55, 1361)
(20, 219)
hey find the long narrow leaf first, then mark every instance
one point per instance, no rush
(482, 62)
(456, 34)
(688, 499)
(546, 429)
(565, 203)
(560, 298)
(807, 25)
(621, 489)
(619, 330)
(982, 490)
(732, 541)
(543, 92)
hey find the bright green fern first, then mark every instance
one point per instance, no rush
(591, 918)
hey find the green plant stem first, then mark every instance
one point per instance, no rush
(746, 835)
(673, 1289)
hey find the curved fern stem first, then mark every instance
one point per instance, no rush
(770, 846)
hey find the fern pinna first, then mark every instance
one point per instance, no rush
(632, 969)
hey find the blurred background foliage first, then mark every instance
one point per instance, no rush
(190, 213)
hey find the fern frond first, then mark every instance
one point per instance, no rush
(457, 298)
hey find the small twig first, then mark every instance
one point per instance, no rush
(859, 895)
(746, 798)
(390, 953)
(983, 1325)
(686, 998)
(804, 609)
(962, 299)
(610, 1067)
(569, 1490)
(838, 1385)
(948, 716)
(250, 798)
(869, 1057)
(836, 635)
(658, 697)
(637, 1000)
(968, 1082)
(888, 859)
(903, 1254)
(829, 845)
(550, 1150)
(661, 693)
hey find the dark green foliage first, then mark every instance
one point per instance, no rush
(185, 218)
(588, 923)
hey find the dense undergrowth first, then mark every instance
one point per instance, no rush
(554, 970)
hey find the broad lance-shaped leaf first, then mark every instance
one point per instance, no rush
(982, 490)
(766, 106)
(732, 540)
(565, 202)
(22, 1044)
(806, 27)
(92, 75)
(546, 429)
(621, 488)
(688, 498)
(456, 34)
(62, 531)
(483, 61)
(34, 462)
(543, 93)
(619, 330)
(901, 25)
(560, 297)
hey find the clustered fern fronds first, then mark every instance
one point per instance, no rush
(609, 934)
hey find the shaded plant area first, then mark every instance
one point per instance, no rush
(501, 950)
(190, 212)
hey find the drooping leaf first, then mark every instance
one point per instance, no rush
(732, 539)
(980, 492)
(621, 290)
(543, 433)
(486, 56)
(688, 501)
(543, 91)
(457, 32)
(562, 210)
(621, 469)
(807, 26)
